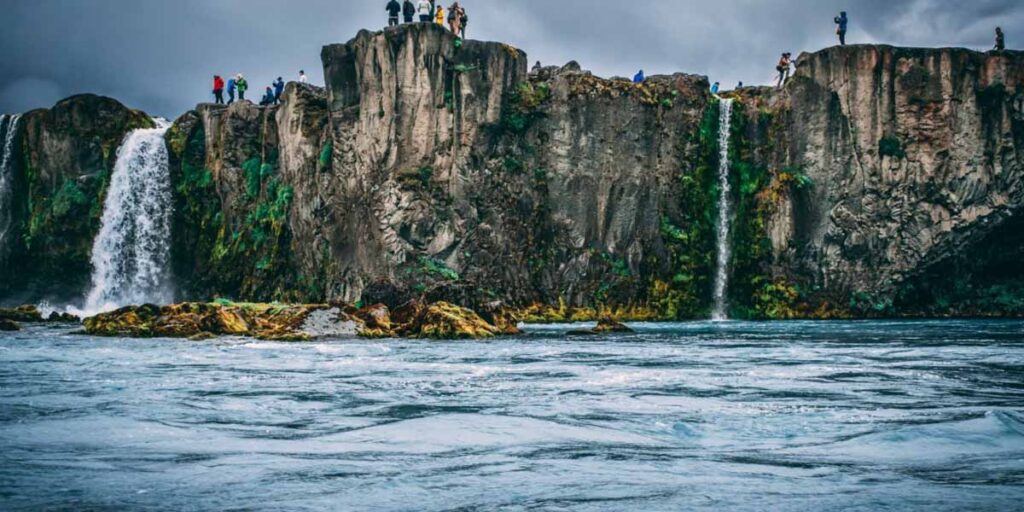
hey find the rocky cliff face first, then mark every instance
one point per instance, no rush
(912, 156)
(440, 168)
(65, 158)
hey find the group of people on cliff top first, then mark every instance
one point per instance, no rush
(238, 84)
(429, 12)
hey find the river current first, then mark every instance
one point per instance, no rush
(703, 416)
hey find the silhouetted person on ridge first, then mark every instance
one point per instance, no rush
(394, 9)
(639, 77)
(231, 90)
(783, 69)
(739, 85)
(218, 89)
(408, 11)
(426, 10)
(1000, 40)
(268, 98)
(462, 22)
(841, 22)
(455, 18)
(278, 90)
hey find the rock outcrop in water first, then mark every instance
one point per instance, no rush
(297, 322)
(442, 172)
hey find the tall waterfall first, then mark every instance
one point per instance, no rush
(131, 254)
(721, 311)
(8, 132)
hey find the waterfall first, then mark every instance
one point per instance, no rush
(131, 254)
(8, 132)
(721, 311)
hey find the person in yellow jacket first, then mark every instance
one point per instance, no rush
(439, 17)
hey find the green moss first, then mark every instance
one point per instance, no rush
(689, 238)
(523, 108)
(437, 268)
(891, 146)
(325, 155)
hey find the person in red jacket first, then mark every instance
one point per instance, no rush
(218, 89)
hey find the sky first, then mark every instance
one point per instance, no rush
(160, 55)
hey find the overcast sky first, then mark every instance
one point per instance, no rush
(160, 55)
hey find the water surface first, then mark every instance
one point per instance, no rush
(736, 416)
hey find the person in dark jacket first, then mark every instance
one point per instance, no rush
(408, 11)
(1000, 40)
(841, 22)
(394, 9)
(268, 98)
(218, 89)
(278, 90)
(462, 24)
(231, 90)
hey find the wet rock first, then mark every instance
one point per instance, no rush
(604, 326)
(446, 321)
(63, 318)
(26, 313)
(9, 325)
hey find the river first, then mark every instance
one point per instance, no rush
(703, 416)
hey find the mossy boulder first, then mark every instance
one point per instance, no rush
(26, 313)
(9, 325)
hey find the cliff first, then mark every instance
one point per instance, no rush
(64, 160)
(913, 163)
(436, 168)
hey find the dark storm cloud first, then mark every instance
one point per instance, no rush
(159, 55)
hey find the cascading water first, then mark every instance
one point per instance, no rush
(131, 254)
(8, 132)
(721, 311)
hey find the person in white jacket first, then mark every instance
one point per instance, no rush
(426, 11)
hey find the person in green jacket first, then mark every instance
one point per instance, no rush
(242, 85)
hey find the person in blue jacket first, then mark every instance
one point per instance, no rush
(639, 78)
(231, 91)
(278, 90)
(715, 87)
(841, 23)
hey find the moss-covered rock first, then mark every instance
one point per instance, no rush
(26, 313)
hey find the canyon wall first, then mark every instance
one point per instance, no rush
(430, 166)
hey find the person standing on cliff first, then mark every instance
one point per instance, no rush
(408, 11)
(455, 18)
(841, 22)
(783, 69)
(303, 79)
(231, 90)
(440, 16)
(426, 10)
(242, 86)
(639, 77)
(715, 87)
(462, 22)
(1000, 40)
(278, 90)
(394, 9)
(218, 89)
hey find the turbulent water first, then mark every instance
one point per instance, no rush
(721, 291)
(8, 132)
(709, 416)
(131, 254)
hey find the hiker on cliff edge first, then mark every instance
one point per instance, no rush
(231, 91)
(783, 69)
(841, 22)
(394, 9)
(639, 77)
(242, 86)
(439, 19)
(268, 98)
(463, 20)
(303, 79)
(218, 89)
(278, 90)
(715, 87)
(408, 11)
(426, 10)
(1000, 40)
(455, 18)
